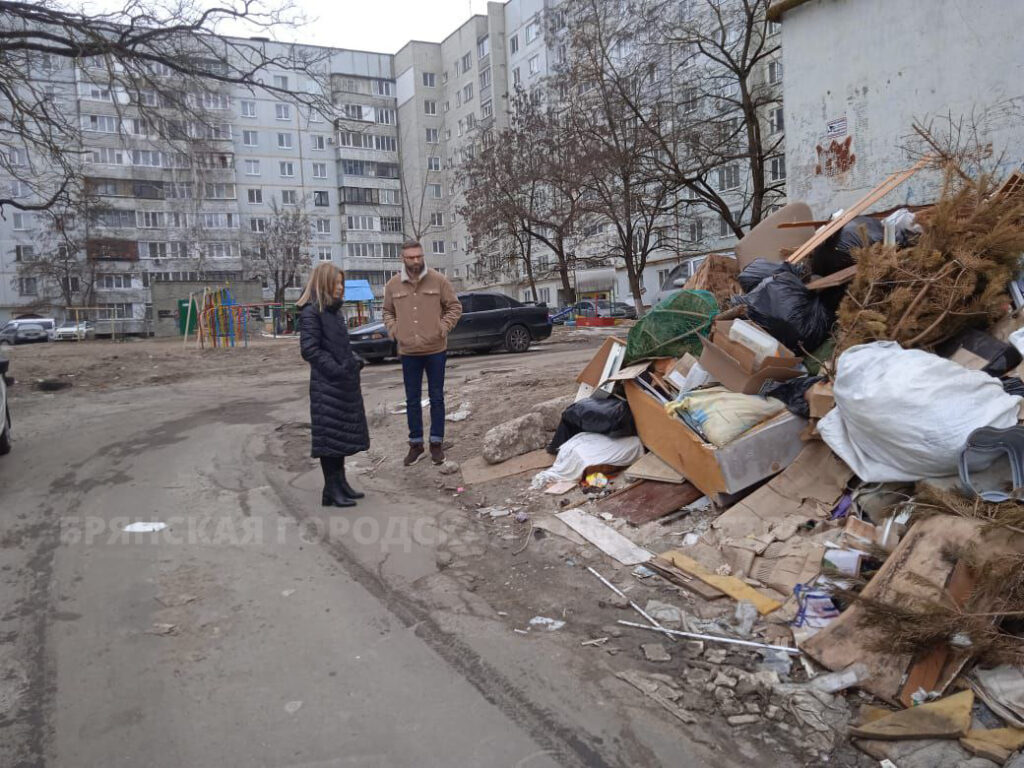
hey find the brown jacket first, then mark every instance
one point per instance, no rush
(420, 314)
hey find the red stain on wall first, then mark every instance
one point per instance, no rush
(835, 159)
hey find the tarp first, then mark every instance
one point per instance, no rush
(358, 290)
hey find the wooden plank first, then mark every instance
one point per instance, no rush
(831, 281)
(607, 539)
(733, 587)
(669, 572)
(651, 467)
(855, 210)
(648, 500)
(476, 470)
(927, 670)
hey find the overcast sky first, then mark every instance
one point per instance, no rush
(382, 26)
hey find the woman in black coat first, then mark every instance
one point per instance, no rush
(335, 399)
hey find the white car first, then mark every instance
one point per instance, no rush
(72, 331)
(5, 413)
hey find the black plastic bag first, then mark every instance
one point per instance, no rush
(756, 271)
(1001, 357)
(794, 394)
(836, 253)
(784, 307)
(606, 416)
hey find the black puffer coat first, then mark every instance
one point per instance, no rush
(335, 398)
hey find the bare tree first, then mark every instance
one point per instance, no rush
(157, 64)
(280, 253)
(61, 274)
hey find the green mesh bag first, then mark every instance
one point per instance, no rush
(672, 327)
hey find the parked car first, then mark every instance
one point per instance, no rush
(678, 277)
(72, 331)
(622, 309)
(5, 411)
(48, 324)
(21, 332)
(489, 321)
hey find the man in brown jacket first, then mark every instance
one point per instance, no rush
(420, 310)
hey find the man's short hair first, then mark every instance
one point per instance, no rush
(408, 245)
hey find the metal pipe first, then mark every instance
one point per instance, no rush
(715, 638)
(633, 605)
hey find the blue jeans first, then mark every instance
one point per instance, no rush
(413, 367)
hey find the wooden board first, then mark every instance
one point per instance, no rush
(648, 500)
(476, 470)
(669, 572)
(650, 467)
(733, 587)
(836, 278)
(855, 210)
(605, 538)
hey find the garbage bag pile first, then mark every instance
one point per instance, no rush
(873, 511)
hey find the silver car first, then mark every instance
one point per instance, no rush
(20, 332)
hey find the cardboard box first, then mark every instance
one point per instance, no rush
(759, 453)
(592, 374)
(735, 366)
(821, 399)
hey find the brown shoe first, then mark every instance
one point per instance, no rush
(415, 454)
(437, 453)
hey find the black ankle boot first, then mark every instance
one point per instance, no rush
(334, 495)
(347, 489)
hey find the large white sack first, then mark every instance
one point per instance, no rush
(588, 449)
(905, 414)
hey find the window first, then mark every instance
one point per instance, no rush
(323, 226)
(460, 127)
(429, 79)
(319, 170)
(110, 282)
(250, 138)
(151, 220)
(388, 196)
(775, 72)
(433, 163)
(282, 112)
(728, 177)
(516, 77)
(483, 47)
(24, 253)
(323, 253)
(467, 62)
(485, 78)
(437, 219)
(19, 220)
(258, 224)
(383, 88)
(532, 31)
(284, 141)
(776, 121)
(219, 220)
(777, 168)
(364, 223)
(289, 197)
(458, 99)
(470, 125)
(486, 110)
(27, 286)
(321, 198)
(319, 142)
(287, 168)
(281, 81)
(390, 223)
(386, 116)
(248, 108)
(773, 28)
(467, 93)
(99, 123)
(447, 106)
(219, 192)
(513, 44)
(353, 111)
(434, 190)
(431, 135)
(385, 143)
(437, 246)
(695, 231)
(429, 107)
(252, 167)
(255, 196)
(444, 78)
(117, 311)
(534, 64)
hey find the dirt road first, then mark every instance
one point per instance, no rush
(257, 630)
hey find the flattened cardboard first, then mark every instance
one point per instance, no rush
(476, 470)
(759, 453)
(651, 467)
(735, 366)
(605, 538)
(820, 398)
(766, 240)
(591, 374)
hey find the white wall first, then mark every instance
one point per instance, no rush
(879, 64)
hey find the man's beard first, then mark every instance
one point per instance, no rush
(419, 269)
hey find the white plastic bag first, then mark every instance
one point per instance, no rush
(905, 414)
(588, 449)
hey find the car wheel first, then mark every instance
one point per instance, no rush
(5, 436)
(517, 339)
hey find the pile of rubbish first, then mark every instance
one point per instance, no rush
(848, 404)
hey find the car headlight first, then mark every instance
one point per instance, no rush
(378, 335)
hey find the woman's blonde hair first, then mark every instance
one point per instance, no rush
(321, 286)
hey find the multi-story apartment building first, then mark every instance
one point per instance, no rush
(382, 168)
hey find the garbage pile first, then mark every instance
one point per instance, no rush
(852, 414)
